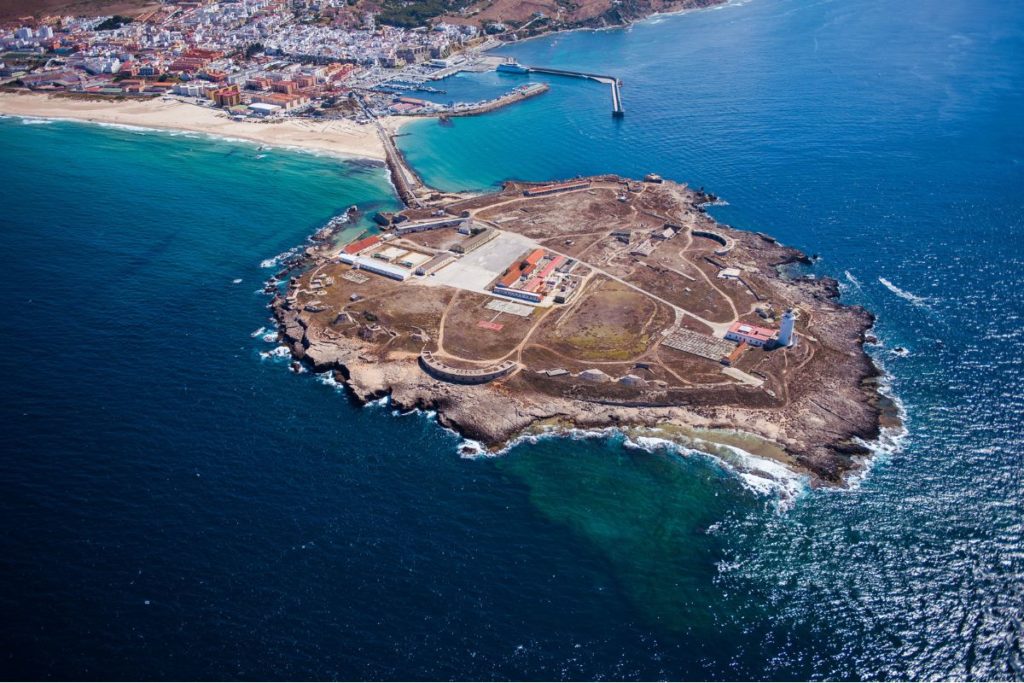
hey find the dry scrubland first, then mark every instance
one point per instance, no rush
(647, 268)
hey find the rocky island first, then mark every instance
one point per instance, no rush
(592, 303)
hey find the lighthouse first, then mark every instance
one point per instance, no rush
(786, 331)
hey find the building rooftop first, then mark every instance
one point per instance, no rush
(753, 331)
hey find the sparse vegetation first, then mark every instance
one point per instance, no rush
(116, 21)
(417, 12)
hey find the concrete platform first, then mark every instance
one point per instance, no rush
(476, 270)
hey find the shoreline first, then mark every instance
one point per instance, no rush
(831, 436)
(338, 138)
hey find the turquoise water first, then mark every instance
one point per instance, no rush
(177, 504)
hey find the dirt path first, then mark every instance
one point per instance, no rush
(441, 324)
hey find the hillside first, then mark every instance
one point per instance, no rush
(15, 9)
(538, 16)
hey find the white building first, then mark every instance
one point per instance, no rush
(263, 109)
(190, 89)
(786, 331)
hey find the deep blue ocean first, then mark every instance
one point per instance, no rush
(176, 504)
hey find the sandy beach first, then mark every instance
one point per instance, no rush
(338, 137)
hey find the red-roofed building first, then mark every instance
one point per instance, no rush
(751, 334)
(535, 256)
(359, 245)
(509, 278)
(214, 75)
(550, 267)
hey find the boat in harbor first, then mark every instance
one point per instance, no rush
(511, 66)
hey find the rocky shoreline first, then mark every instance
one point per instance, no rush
(819, 430)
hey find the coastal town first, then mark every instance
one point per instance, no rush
(267, 59)
(254, 58)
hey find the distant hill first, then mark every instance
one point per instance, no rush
(523, 16)
(539, 16)
(14, 9)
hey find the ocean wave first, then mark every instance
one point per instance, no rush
(32, 121)
(270, 337)
(327, 379)
(469, 448)
(256, 333)
(273, 262)
(126, 126)
(277, 353)
(760, 476)
(415, 412)
(853, 281)
(920, 301)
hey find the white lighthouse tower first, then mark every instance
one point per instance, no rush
(786, 331)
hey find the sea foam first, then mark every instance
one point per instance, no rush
(276, 353)
(921, 301)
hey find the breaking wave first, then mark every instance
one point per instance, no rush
(273, 262)
(276, 353)
(760, 476)
(327, 378)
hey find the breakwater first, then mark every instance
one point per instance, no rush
(614, 83)
(517, 95)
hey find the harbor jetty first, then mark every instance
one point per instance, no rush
(511, 66)
(523, 92)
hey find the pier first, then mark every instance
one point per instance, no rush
(615, 83)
